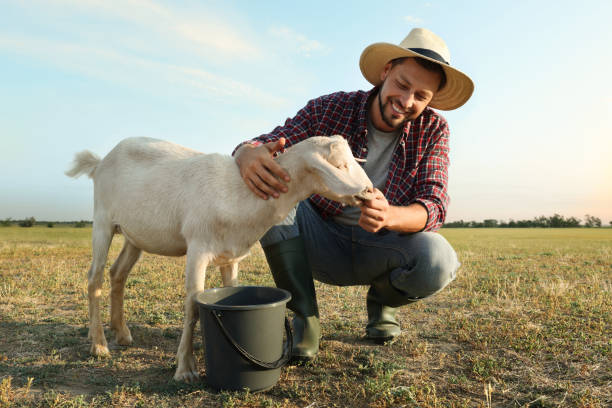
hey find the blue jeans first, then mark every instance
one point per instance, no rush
(418, 264)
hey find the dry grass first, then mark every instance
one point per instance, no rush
(526, 324)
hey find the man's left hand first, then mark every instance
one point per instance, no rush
(376, 213)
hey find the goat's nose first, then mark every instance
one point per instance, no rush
(367, 193)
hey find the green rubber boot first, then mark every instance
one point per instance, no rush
(291, 271)
(382, 301)
(382, 325)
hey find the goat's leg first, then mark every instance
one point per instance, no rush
(118, 274)
(229, 274)
(195, 274)
(102, 236)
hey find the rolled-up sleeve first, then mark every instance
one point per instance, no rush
(430, 189)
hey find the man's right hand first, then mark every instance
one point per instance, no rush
(259, 170)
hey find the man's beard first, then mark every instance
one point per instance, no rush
(389, 123)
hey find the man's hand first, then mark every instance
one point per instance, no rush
(259, 171)
(376, 213)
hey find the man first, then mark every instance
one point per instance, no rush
(389, 243)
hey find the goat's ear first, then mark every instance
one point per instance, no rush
(336, 156)
(333, 178)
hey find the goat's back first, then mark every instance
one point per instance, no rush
(143, 162)
(153, 188)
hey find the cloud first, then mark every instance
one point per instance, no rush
(145, 44)
(113, 66)
(201, 30)
(413, 20)
(222, 86)
(298, 41)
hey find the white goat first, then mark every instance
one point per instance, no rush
(170, 200)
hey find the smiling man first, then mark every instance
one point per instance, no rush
(390, 242)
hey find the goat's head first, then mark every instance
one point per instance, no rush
(340, 177)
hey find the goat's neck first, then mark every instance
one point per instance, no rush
(302, 184)
(300, 187)
(254, 216)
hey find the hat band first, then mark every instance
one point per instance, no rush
(430, 54)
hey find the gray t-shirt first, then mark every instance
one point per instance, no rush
(381, 146)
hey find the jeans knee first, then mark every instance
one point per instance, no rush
(433, 267)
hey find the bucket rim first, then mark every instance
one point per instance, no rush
(215, 306)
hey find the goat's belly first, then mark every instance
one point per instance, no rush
(156, 242)
(228, 258)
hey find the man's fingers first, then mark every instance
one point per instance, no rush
(271, 165)
(374, 204)
(274, 147)
(260, 172)
(262, 183)
(256, 190)
(379, 201)
(267, 178)
(277, 171)
(372, 213)
(368, 224)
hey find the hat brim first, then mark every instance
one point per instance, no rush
(458, 89)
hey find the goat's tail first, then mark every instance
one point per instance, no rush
(85, 162)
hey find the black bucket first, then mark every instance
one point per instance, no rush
(242, 328)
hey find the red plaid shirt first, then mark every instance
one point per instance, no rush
(418, 170)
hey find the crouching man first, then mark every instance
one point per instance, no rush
(389, 243)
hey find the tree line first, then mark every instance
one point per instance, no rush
(555, 221)
(31, 221)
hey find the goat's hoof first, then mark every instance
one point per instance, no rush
(188, 376)
(99, 350)
(124, 339)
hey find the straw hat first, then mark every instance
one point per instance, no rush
(422, 43)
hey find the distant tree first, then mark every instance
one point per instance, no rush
(572, 222)
(591, 221)
(457, 224)
(559, 221)
(80, 224)
(7, 222)
(556, 221)
(490, 223)
(541, 221)
(464, 224)
(28, 222)
(50, 224)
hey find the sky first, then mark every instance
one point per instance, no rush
(534, 139)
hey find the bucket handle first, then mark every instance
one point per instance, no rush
(260, 363)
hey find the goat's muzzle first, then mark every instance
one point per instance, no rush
(365, 195)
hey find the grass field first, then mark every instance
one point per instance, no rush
(527, 323)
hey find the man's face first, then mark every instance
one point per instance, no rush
(406, 90)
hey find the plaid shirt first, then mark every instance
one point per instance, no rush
(418, 169)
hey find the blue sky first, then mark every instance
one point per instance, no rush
(535, 139)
